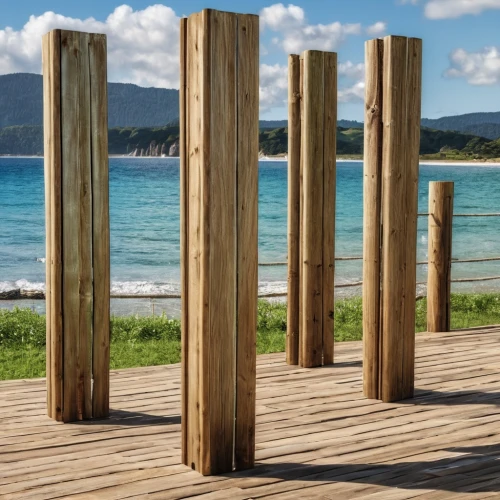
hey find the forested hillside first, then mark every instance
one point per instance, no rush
(157, 141)
(129, 105)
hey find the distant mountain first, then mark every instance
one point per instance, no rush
(21, 103)
(272, 124)
(481, 124)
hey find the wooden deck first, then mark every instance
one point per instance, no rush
(317, 437)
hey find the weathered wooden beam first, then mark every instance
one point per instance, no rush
(439, 268)
(76, 174)
(219, 165)
(372, 185)
(390, 215)
(317, 209)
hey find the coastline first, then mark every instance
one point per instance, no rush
(340, 158)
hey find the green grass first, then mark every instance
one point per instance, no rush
(147, 341)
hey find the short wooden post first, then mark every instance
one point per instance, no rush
(392, 140)
(219, 148)
(311, 299)
(77, 224)
(439, 268)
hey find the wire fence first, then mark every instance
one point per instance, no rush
(343, 285)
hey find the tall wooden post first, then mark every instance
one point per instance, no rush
(439, 268)
(311, 298)
(219, 163)
(77, 224)
(392, 141)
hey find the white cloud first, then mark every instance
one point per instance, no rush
(377, 29)
(297, 35)
(447, 9)
(273, 88)
(354, 93)
(413, 2)
(351, 70)
(478, 68)
(143, 45)
(278, 17)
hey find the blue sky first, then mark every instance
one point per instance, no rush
(461, 38)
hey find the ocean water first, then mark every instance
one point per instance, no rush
(144, 216)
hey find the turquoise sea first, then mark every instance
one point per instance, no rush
(144, 214)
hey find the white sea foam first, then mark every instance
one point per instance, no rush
(40, 259)
(144, 288)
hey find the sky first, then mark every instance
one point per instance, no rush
(461, 40)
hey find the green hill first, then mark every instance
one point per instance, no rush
(435, 144)
(21, 103)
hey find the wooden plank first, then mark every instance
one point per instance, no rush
(71, 189)
(184, 176)
(394, 219)
(219, 338)
(440, 245)
(301, 206)
(329, 196)
(389, 446)
(100, 224)
(52, 134)
(247, 84)
(294, 134)
(83, 149)
(412, 150)
(195, 43)
(372, 197)
(48, 160)
(312, 273)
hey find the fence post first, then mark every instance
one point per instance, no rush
(439, 268)
(77, 224)
(391, 183)
(313, 141)
(219, 148)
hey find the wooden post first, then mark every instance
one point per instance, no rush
(311, 208)
(292, 332)
(439, 268)
(391, 192)
(77, 224)
(372, 181)
(219, 162)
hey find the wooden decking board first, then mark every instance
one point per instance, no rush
(317, 437)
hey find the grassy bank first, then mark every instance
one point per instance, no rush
(146, 341)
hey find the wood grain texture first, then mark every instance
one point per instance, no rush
(184, 258)
(301, 208)
(312, 252)
(76, 164)
(294, 135)
(85, 288)
(222, 267)
(197, 309)
(372, 199)
(412, 150)
(100, 224)
(441, 444)
(53, 169)
(71, 186)
(247, 85)
(220, 165)
(329, 197)
(394, 218)
(440, 248)
(47, 126)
